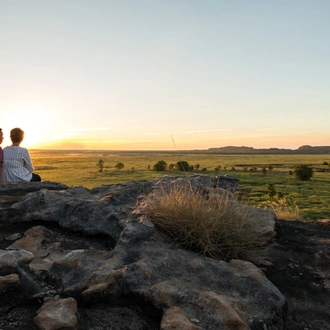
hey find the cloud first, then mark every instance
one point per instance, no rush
(206, 131)
(269, 129)
(151, 134)
(84, 129)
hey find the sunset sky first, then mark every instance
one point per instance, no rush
(165, 74)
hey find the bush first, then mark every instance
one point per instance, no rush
(161, 165)
(119, 166)
(183, 166)
(303, 172)
(100, 165)
(271, 192)
(214, 226)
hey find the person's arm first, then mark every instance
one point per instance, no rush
(27, 161)
(1, 160)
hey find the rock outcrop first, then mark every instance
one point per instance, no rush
(82, 254)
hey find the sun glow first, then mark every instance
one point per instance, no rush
(31, 120)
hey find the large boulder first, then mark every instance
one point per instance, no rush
(139, 264)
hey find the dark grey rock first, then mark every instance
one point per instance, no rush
(141, 265)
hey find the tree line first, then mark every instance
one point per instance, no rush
(301, 172)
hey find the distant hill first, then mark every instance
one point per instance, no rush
(306, 149)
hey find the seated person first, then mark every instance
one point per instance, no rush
(1, 155)
(17, 164)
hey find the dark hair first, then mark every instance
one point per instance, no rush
(16, 135)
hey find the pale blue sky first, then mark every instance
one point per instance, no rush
(138, 74)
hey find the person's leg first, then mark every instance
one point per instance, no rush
(35, 177)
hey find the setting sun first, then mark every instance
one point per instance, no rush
(31, 120)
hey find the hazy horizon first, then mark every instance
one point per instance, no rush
(152, 75)
(166, 150)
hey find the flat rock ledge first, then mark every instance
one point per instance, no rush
(63, 281)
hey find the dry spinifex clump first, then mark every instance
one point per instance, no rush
(213, 224)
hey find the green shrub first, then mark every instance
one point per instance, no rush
(303, 172)
(161, 165)
(183, 166)
(119, 166)
(271, 192)
(100, 165)
(216, 226)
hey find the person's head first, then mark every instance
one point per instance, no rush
(1, 136)
(16, 135)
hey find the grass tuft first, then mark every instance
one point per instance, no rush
(285, 208)
(212, 224)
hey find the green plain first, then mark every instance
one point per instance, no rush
(76, 167)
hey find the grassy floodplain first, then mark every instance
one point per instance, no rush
(79, 167)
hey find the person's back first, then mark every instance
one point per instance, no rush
(1, 155)
(17, 164)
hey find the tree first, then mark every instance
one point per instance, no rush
(271, 190)
(183, 166)
(119, 166)
(264, 170)
(303, 172)
(100, 165)
(161, 165)
(197, 167)
(270, 168)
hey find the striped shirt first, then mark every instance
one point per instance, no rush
(17, 164)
